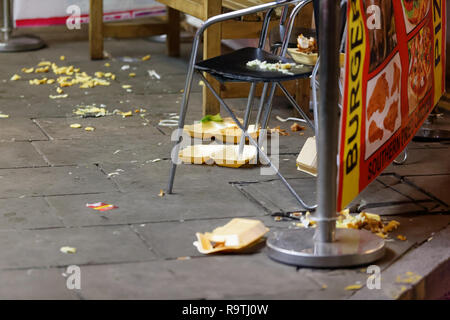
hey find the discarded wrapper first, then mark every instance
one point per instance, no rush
(307, 158)
(235, 235)
(100, 206)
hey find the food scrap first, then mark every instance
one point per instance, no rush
(68, 250)
(60, 96)
(353, 287)
(161, 193)
(400, 237)
(89, 129)
(147, 57)
(75, 125)
(296, 127)
(265, 66)
(3, 116)
(408, 277)
(15, 77)
(90, 111)
(306, 45)
(280, 131)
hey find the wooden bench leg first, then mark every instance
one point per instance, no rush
(96, 29)
(211, 48)
(173, 33)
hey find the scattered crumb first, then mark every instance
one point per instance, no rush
(89, 129)
(400, 237)
(68, 250)
(147, 57)
(161, 193)
(296, 127)
(408, 277)
(353, 287)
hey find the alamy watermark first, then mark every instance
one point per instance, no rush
(74, 20)
(374, 280)
(73, 277)
(229, 154)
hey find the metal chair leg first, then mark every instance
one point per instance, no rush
(254, 143)
(405, 157)
(295, 105)
(248, 111)
(183, 110)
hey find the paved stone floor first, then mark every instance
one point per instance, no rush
(143, 249)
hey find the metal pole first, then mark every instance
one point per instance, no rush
(7, 29)
(326, 246)
(328, 121)
(10, 43)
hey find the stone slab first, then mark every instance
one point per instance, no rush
(27, 213)
(41, 248)
(145, 207)
(107, 149)
(59, 128)
(20, 129)
(19, 155)
(53, 181)
(215, 277)
(35, 284)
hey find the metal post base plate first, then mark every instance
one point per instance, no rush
(351, 248)
(21, 43)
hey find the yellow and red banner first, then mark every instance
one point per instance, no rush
(394, 76)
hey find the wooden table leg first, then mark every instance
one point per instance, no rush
(96, 29)
(173, 32)
(211, 48)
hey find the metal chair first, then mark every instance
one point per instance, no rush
(232, 67)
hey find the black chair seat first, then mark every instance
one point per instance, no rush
(233, 67)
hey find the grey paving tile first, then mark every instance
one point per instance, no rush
(20, 129)
(174, 239)
(41, 248)
(423, 162)
(274, 196)
(144, 207)
(19, 155)
(221, 277)
(138, 176)
(35, 284)
(27, 213)
(111, 149)
(59, 128)
(53, 181)
(436, 186)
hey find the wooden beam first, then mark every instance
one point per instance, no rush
(243, 29)
(192, 7)
(133, 30)
(96, 29)
(173, 32)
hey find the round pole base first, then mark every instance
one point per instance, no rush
(21, 43)
(351, 248)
